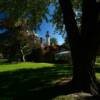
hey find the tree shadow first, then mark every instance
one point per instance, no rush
(44, 83)
(37, 84)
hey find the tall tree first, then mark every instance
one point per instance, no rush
(22, 16)
(83, 43)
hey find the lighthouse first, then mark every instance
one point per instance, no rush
(47, 38)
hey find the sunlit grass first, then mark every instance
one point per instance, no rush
(32, 65)
(26, 65)
(98, 75)
(98, 60)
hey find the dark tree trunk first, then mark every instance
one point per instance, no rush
(83, 44)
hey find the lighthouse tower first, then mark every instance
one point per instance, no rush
(47, 38)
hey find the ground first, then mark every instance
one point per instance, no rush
(38, 81)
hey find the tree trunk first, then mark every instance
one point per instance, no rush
(23, 56)
(83, 44)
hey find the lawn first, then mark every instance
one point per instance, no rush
(34, 80)
(27, 65)
(31, 80)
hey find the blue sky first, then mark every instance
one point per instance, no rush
(49, 27)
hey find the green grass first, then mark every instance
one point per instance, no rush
(98, 70)
(27, 65)
(33, 80)
(30, 65)
(98, 75)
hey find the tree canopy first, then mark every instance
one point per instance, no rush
(31, 10)
(34, 11)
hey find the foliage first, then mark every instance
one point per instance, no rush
(37, 55)
(29, 14)
(57, 17)
(53, 41)
(32, 10)
(23, 15)
(50, 54)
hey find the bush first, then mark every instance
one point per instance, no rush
(49, 55)
(37, 55)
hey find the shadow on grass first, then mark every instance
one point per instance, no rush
(36, 84)
(33, 83)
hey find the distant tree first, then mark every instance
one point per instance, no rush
(33, 11)
(50, 54)
(23, 15)
(53, 41)
(37, 55)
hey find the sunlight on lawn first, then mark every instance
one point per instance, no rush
(98, 70)
(98, 75)
(26, 65)
(31, 78)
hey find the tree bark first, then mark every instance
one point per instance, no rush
(23, 56)
(83, 44)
